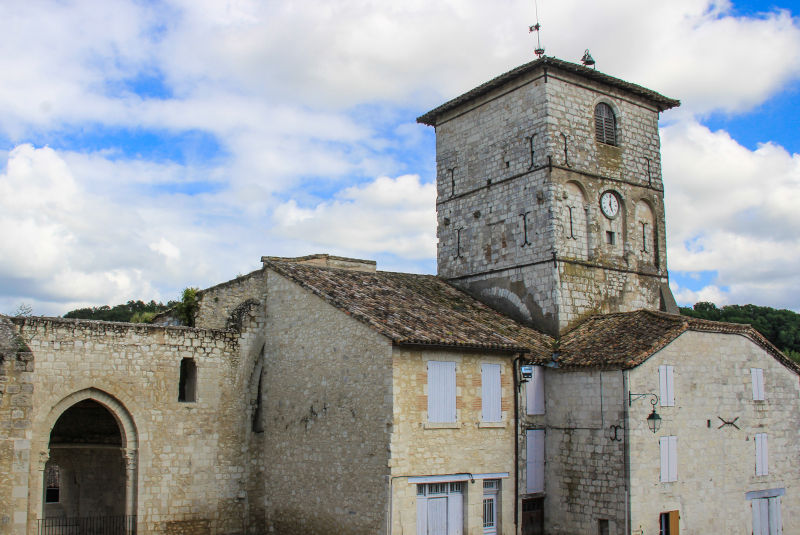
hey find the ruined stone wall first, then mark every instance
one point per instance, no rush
(218, 303)
(16, 400)
(715, 462)
(421, 448)
(327, 390)
(584, 463)
(186, 456)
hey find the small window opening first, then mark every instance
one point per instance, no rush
(187, 386)
(605, 124)
(258, 413)
(610, 237)
(602, 526)
(52, 493)
(644, 237)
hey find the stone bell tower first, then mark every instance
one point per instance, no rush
(550, 205)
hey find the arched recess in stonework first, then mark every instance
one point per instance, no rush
(575, 222)
(89, 466)
(645, 233)
(256, 393)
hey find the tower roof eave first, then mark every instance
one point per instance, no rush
(658, 100)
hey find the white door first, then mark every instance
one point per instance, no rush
(437, 516)
(767, 516)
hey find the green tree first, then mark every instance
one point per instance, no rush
(186, 309)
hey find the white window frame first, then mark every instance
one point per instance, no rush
(441, 391)
(491, 494)
(757, 376)
(762, 454)
(666, 381)
(534, 460)
(453, 492)
(491, 393)
(668, 447)
(534, 392)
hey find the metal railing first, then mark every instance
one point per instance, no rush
(88, 525)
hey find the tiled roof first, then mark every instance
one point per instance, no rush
(627, 339)
(416, 309)
(661, 102)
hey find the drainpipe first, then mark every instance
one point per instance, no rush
(626, 455)
(516, 440)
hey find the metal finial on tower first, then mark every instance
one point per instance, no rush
(539, 51)
(587, 59)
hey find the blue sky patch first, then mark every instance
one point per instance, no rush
(186, 147)
(146, 85)
(776, 120)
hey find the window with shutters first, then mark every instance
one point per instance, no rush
(762, 455)
(440, 508)
(605, 124)
(669, 458)
(534, 392)
(757, 375)
(490, 393)
(666, 382)
(767, 516)
(534, 450)
(441, 391)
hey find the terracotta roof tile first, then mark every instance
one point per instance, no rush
(416, 309)
(627, 339)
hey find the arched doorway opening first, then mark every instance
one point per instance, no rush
(89, 477)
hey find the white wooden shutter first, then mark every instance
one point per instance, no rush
(422, 515)
(757, 375)
(775, 520)
(668, 447)
(760, 517)
(534, 392)
(490, 392)
(535, 460)
(441, 391)
(455, 514)
(762, 455)
(667, 384)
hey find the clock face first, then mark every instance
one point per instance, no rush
(609, 204)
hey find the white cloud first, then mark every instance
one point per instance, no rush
(388, 215)
(282, 88)
(733, 210)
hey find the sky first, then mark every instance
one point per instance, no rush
(147, 146)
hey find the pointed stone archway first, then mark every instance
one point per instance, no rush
(89, 458)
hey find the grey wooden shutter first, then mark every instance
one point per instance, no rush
(757, 375)
(441, 391)
(534, 460)
(605, 124)
(490, 393)
(534, 392)
(762, 455)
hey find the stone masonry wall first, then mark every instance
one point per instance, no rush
(584, 463)
(16, 389)
(327, 417)
(514, 166)
(219, 302)
(715, 462)
(470, 446)
(187, 455)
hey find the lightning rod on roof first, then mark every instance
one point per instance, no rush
(539, 51)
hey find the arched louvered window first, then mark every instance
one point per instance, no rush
(605, 124)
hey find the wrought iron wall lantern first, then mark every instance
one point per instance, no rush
(653, 419)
